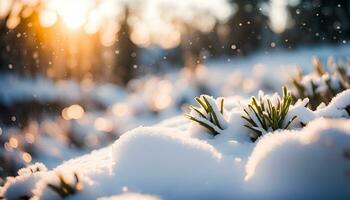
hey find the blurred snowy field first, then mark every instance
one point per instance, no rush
(178, 160)
(78, 117)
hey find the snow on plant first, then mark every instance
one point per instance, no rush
(337, 108)
(210, 114)
(64, 188)
(268, 113)
(234, 171)
(21, 186)
(313, 160)
(322, 85)
(131, 196)
(31, 169)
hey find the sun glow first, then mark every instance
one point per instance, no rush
(151, 22)
(73, 13)
(73, 112)
(279, 15)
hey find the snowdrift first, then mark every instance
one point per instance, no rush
(177, 159)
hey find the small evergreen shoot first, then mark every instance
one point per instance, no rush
(210, 114)
(64, 189)
(32, 169)
(322, 84)
(267, 114)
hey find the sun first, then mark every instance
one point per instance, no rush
(73, 13)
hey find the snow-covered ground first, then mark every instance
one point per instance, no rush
(177, 159)
(170, 157)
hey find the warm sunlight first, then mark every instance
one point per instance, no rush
(73, 13)
(174, 99)
(152, 22)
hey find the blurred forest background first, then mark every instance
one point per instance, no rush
(117, 40)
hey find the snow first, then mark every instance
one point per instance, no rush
(215, 106)
(131, 196)
(244, 76)
(108, 94)
(19, 187)
(168, 163)
(153, 155)
(43, 191)
(335, 109)
(178, 159)
(311, 162)
(22, 186)
(16, 89)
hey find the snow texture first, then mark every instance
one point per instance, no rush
(177, 160)
(335, 109)
(131, 196)
(22, 186)
(311, 163)
(166, 159)
(169, 164)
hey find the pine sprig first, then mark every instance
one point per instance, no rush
(323, 84)
(263, 115)
(210, 115)
(64, 189)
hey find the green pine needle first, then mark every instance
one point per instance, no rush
(208, 117)
(336, 78)
(64, 189)
(263, 116)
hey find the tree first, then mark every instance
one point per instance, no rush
(126, 52)
(319, 21)
(247, 26)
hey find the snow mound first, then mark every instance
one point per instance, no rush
(167, 161)
(21, 186)
(161, 161)
(131, 196)
(77, 182)
(337, 108)
(312, 162)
